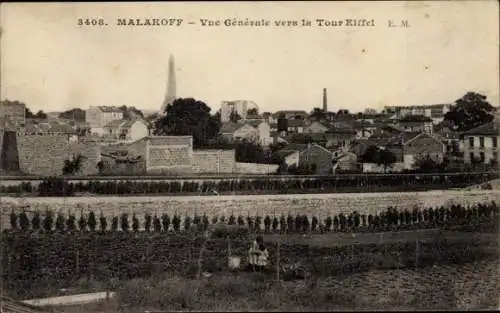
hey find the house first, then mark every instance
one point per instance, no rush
(417, 146)
(50, 128)
(481, 143)
(240, 107)
(310, 155)
(416, 123)
(233, 132)
(295, 126)
(451, 139)
(291, 114)
(316, 127)
(14, 112)
(264, 131)
(340, 134)
(345, 161)
(434, 111)
(290, 157)
(99, 116)
(130, 130)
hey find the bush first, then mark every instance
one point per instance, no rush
(215, 220)
(314, 224)
(232, 220)
(135, 223)
(241, 221)
(165, 220)
(114, 224)
(305, 223)
(13, 220)
(125, 223)
(275, 224)
(24, 222)
(148, 220)
(176, 223)
(82, 222)
(267, 224)
(35, 221)
(328, 223)
(103, 223)
(71, 222)
(92, 221)
(48, 221)
(187, 222)
(205, 221)
(60, 222)
(290, 223)
(156, 224)
(283, 224)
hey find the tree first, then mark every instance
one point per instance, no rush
(92, 221)
(249, 152)
(131, 111)
(13, 220)
(386, 158)
(60, 222)
(282, 123)
(73, 114)
(39, 115)
(48, 221)
(73, 165)
(24, 222)
(427, 164)
(234, 116)
(470, 111)
(317, 114)
(187, 116)
(253, 111)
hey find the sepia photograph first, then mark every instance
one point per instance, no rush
(249, 156)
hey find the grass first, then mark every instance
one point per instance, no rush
(466, 286)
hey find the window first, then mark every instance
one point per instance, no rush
(471, 157)
(495, 156)
(471, 142)
(481, 142)
(481, 156)
(495, 142)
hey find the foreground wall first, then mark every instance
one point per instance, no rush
(213, 161)
(254, 168)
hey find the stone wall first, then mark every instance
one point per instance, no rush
(254, 168)
(213, 161)
(45, 154)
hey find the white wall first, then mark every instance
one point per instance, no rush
(138, 130)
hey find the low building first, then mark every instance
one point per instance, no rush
(422, 145)
(234, 132)
(481, 144)
(340, 134)
(263, 129)
(416, 123)
(130, 130)
(310, 155)
(316, 127)
(14, 112)
(97, 117)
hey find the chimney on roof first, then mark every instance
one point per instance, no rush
(325, 104)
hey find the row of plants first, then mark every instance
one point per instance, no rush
(392, 218)
(60, 186)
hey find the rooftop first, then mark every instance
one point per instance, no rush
(490, 128)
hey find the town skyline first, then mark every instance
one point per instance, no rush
(68, 67)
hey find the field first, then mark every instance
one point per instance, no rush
(442, 287)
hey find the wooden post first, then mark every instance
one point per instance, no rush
(417, 252)
(278, 260)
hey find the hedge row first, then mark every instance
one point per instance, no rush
(60, 187)
(392, 218)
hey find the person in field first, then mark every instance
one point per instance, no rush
(258, 255)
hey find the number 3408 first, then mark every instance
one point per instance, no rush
(91, 22)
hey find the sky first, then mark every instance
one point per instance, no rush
(51, 63)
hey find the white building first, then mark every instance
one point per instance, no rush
(129, 130)
(239, 106)
(99, 116)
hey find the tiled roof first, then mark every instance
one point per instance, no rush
(230, 127)
(415, 118)
(490, 128)
(291, 112)
(296, 123)
(255, 123)
(105, 108)
(284, 152)
(48, 127)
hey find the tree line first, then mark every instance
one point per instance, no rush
(391, 219)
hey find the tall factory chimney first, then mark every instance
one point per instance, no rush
(325, 102)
